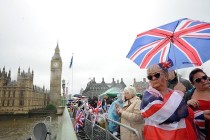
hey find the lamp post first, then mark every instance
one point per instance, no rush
(64, 96)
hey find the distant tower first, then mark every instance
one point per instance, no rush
(55, 78)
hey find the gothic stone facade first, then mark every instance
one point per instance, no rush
(55, 78)
(21, 96)
(140, 86)
(94, 89)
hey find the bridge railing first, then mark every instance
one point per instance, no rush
(66, 128)
(96, 132)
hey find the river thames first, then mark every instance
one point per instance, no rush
(22, 127)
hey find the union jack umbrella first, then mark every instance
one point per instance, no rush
(186, 42)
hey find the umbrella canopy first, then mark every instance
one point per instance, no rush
(112, 92)
(77, 95)
(186, 42)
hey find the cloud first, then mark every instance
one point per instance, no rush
(99, 33)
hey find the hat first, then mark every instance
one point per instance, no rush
(166, 65)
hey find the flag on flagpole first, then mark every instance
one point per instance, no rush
(79, 120)
(71, 62)
(96, 111)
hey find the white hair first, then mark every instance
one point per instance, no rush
(131, 90)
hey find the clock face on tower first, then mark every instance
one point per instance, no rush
(55, 64)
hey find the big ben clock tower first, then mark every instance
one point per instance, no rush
(55, 78)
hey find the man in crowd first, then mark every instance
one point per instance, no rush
(174, 80)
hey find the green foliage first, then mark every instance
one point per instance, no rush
(50, 107)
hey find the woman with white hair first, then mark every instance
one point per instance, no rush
(130, 114)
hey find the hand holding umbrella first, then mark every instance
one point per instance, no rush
(180, 87)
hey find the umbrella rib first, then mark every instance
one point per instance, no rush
(192, 29)
(152, 53)
(180, 43)
(141, 49)
(173, 34)
(154, 32)
(160, 32)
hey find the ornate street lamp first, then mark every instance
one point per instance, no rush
(63, 86)
(64, 96)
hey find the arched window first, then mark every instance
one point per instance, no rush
(2, 102)
(4, 93)
(21, 103)
(21, 94)
(21, 98)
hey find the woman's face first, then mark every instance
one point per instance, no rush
(157, 77)
(200, 81)
(127, 95)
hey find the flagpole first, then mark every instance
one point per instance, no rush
(72, 75)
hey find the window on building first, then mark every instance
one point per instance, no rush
(9, 94)
(4, 93)
(21, 94)
(21, 98)
(2, 102)
(21, 103)
(8, 103)
(13, 93)
(13, 102)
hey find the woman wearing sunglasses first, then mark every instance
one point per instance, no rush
(199, 98)
(166, 115)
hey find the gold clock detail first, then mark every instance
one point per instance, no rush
(55, 64)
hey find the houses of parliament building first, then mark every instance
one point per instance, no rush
(18, 97)
(21, 95)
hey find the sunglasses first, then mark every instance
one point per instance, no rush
(198, 80)
(156, 75)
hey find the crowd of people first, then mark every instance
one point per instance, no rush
(172, 108)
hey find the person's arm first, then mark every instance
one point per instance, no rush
(132, 116)
(180, 87)
(170, 109)
(206, 114)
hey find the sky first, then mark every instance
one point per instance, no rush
(99, 34)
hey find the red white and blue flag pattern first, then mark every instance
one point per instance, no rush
(79, 120)
(96, 111)
(166, 119)
(98, 108)
(200, 123)
(185, 41)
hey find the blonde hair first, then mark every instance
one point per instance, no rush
(156, 67)
(153, 67)
(130, 90)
